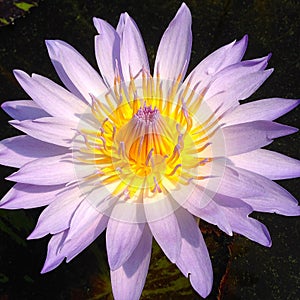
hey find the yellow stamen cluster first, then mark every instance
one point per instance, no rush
(145, 138)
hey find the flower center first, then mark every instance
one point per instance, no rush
(144, 140)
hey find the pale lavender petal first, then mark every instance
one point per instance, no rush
(121, 240)
(121, 23)
(174, 50)
(56, 217)
(86, 225)
(237, 214)
(29, 196)
(133, 53)
(107, 49)
(266, 109)
(74, 71)
(167, 234)
(227, 95)
(128, 281)
(210, 213)
(194, 260)
(245, 137)
(218, 60)
(51, 97)
(23, 110)
(46, 171)
(233, 74)
(50, 129)
(54, 257)
(267, 163)
(19, 150)
(274, 198)
(232, 183)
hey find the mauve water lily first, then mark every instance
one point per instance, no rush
(144, 156)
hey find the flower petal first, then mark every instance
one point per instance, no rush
(228, 93)
(51, 130)
(210, 212)
(133, 53)
(167, 234)
(218, 60)
(86, 225)
(266, 109)
(19, 150)
(51, 97)
(56, 217)
(174, 50)
(23, 110)
(29, 196)
(237, 214)
(231, 75)
(267, 163)
(194, 260)
(121, 240)
(245, 137)
(46, 171)
(54, 257)
(107, 49)
(74, 71)
(128, 281)
(274, 198)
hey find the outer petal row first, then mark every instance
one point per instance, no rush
(174, 50)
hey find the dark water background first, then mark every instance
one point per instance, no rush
(242, 269)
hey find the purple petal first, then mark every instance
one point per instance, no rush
(274, 198)
(231, 75)
(121, 23)
(51, 97)
(267, 163)
(107, 49)
(241, 138)
(174, 50)
(29, 196)
(74, 71)
(228, 92)
(237, 214)
(46, 171)
(121, 240)
(194, 260)
(56, 217)
(167, 234)
(133, 52)
(86, 225)
(221, 58)
(128, 281)
(19, 150)
(51, 130)
(235, 184)
(266, 109)
(54, 257)
(210, 213)
(23, 110)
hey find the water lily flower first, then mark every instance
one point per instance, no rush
(143, 156)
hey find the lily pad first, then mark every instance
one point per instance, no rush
(11, 10)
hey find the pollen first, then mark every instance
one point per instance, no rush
(145, 138)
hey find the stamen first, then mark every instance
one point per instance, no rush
(121, 150)
(174, 170)
(149, 156)
(156, 187)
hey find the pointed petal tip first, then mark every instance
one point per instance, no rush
(185, 8)
(19, 74)
(243, 41)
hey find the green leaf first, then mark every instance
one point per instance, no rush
(25, 6)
